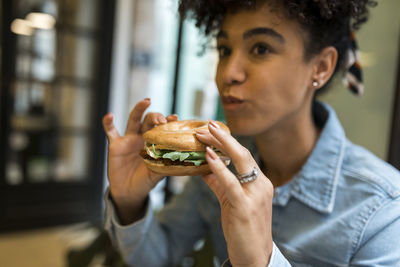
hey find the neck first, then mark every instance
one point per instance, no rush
(285, 148)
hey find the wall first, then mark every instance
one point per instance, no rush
(367, 119)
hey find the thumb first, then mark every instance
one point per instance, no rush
(109, 127)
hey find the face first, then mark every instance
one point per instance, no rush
(262, 76)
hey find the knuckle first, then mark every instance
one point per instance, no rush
(230, 183)
(150, 115)
(244, 155)
(254, 212)
(245, 152)
(134, 115)
(134, 110)
(267, 191)
(220, 168)
(262, 202)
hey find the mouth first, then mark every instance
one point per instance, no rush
(232, 103)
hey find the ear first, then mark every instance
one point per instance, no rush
(324, 66)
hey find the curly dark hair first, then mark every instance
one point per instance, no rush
(325, 22)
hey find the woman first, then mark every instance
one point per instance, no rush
(313, 197)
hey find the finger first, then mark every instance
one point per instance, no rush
(109, 127)
(152, 119)
(241, 156)
(172, 117)
(134, 121)
(207, 138)
(229, 185)
(159, 118)
(213, 183)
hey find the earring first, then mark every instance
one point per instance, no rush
(315, 83)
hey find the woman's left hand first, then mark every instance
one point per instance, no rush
(246, 209)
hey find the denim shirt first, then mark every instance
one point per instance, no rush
(341, 209)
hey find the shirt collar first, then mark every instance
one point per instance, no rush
(315, 184)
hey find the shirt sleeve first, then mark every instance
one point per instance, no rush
(379, 244)
(131, 239)
(277, 259)
(161, 239)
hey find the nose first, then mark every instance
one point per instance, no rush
(233, 70)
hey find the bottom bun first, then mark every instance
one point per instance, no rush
(177, 170)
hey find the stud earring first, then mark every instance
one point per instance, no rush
(315, 83)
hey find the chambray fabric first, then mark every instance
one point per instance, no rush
(341, 209)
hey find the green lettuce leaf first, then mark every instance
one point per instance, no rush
(184, 156)
(156, 152)
(195, 157)
(174, 155)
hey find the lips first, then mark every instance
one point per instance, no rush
(232, 103)
(231, 100)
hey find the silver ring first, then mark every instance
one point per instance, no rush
(248, 177)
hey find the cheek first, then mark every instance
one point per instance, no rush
(287, 87)
(218, 78)
(270, 104)
(274, 93)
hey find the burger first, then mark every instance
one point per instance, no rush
(172, 149)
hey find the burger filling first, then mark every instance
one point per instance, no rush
(176, 157)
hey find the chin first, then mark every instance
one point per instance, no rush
(242, 127)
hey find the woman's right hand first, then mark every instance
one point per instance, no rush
(130, 180)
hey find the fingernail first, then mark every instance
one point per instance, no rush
(214, 124)
(147, 99)
(211, 153)
(110, 115)
(201, 132)
(163, 120)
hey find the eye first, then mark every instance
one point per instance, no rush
(260, 49)
(223, 51)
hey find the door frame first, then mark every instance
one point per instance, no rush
(394, 145)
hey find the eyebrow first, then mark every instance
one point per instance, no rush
(256, 31)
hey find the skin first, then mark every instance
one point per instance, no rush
(262, 67)
(270, 75)
(262, 64)
(130, 180)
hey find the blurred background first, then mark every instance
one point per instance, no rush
(65, 64)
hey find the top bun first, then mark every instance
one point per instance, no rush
(179, 135)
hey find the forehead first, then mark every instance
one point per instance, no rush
(272, 16)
